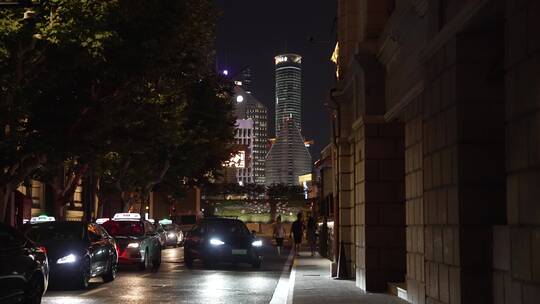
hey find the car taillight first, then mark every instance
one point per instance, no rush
(42, 249)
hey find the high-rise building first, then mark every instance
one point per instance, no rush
(288, 89)
(288, 157)
(248, 107)
(243, 160)
(243, 79)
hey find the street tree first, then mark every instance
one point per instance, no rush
(110, 88)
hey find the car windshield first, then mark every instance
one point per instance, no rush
(169, 227)
(124, 228)
(58, 231)
(236, 228)
(188, 219)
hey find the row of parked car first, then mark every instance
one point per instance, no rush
(60, 252)
(46, 251)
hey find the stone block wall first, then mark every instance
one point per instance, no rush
(464, 178)
(517, 273)
(440, 180)
(414, 194)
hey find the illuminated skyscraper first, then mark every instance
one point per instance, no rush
(288, 157)
(248, 107)
(288, 90)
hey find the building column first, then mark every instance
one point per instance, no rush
(346, 203)
(379, 203)
(463, 164)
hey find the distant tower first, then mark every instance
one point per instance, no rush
(288, 157)
(288, 90)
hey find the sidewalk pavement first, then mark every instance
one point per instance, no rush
(312, 283)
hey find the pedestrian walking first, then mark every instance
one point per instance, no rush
(279, 234)
(297, 232)
(312, 234)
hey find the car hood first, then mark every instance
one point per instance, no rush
(57, 249)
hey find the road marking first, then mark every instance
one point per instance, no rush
(91, 292)
(292, 279)
(284, 289)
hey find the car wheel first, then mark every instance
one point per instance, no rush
(84, 276)
(34, 291)
(256, 264)
(157, 261)
(208, 264)
(145, 264)
(188, 259)
(110, 275)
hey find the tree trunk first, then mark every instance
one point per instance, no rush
(273, 210)
(4, 202)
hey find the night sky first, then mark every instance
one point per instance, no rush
(252, 32)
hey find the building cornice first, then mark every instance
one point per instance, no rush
(414, 92)
(367, 119)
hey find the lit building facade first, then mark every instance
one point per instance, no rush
(288, 157)
(243, 161)
(288, 89)
(248, 107)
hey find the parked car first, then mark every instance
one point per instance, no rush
(137, 240)
(216, 240)
(162, 234)
(186, 221)
(174, 235)
(24, 269)
(77, 251)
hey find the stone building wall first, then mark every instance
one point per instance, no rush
(517, 260)
(462, 78)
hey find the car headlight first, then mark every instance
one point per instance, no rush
(133, 245)
(171, 235)
(257, 243)
(68, 259)
(216, 242)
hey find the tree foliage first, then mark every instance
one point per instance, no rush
(124, 89)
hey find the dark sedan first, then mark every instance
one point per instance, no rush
(77, 251)
(24, 271)
(216, 240)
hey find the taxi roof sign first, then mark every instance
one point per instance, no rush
(42, 219)
(165, 222)
(127, 217)
(100, 221)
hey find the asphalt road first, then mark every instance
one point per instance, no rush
(175, 283)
